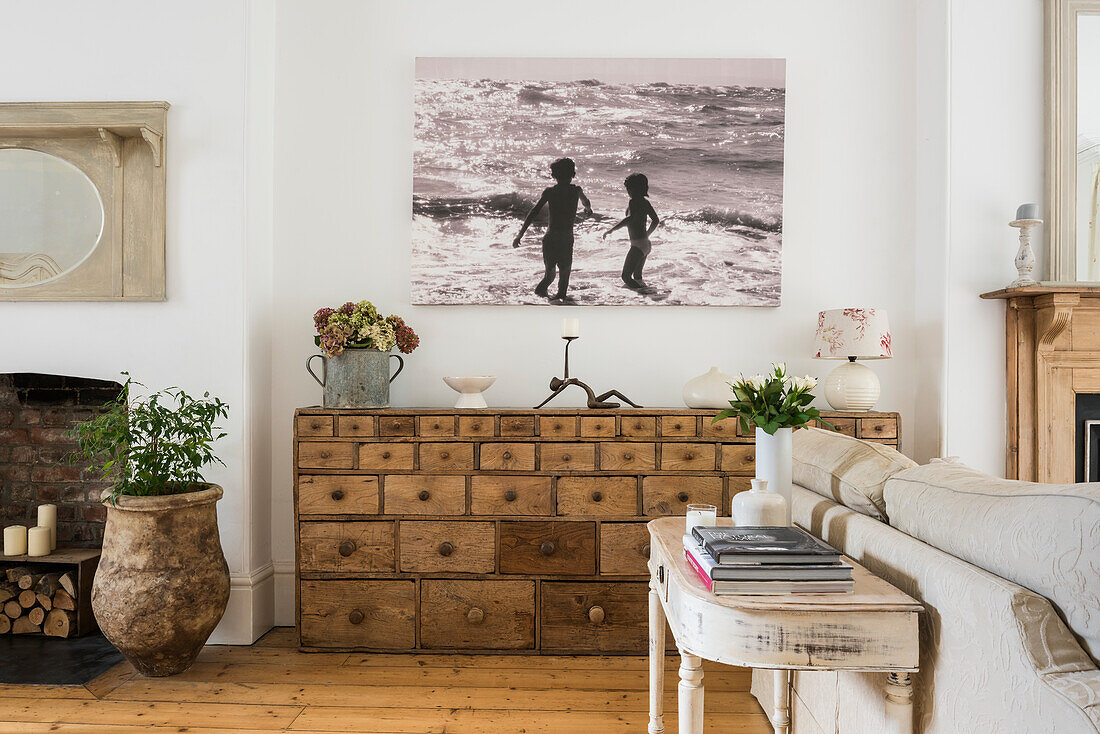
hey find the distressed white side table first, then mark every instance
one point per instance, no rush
(872, 629)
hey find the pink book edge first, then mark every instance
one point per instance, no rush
(703, 575)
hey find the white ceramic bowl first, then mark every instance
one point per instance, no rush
(471, 389)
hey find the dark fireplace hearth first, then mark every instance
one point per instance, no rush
(37, 413)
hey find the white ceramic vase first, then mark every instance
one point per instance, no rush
(773, 464)
(759, 508)
(709, 390)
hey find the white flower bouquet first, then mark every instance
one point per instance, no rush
(772, 401)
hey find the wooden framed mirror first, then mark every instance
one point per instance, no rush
(82, 201)
(1073, 139)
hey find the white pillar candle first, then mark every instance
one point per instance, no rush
(570, 327)
(47, 518)
(704, 516)
(15, 540)
(38, 541)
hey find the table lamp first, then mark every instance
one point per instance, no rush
(851, 334)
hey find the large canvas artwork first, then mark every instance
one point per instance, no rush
(598, 181)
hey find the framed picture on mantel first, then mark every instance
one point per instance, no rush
(598, 181)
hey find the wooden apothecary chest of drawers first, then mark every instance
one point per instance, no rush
(509, 530)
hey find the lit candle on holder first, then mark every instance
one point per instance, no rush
(47, 518)
(38, 541)
(570, 328)
(15, 540)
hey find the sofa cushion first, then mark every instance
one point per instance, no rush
(1044, 537)
(844, 469)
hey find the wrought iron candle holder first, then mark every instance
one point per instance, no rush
(559, 384)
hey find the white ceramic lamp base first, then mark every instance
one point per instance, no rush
(471, 390)
(852, 386)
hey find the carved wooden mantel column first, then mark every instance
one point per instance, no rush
(1052, 353)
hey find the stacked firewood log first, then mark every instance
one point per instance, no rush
(33, 602)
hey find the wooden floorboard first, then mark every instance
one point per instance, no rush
(272, 687)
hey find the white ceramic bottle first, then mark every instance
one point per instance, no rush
(710, 390)
(758, 507)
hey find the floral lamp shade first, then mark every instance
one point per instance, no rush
(843, 333)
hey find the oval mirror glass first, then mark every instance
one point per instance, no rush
(51, 217)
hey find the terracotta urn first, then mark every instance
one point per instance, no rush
(162, 583)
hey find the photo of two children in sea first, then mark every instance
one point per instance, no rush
(539, 181)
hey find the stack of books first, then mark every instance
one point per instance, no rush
(764, 560)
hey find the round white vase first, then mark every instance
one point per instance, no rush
(773, 464)
(852, 386)
(759, 507)
(709, 390)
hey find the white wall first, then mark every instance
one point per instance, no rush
(194, 56)
(343, 152)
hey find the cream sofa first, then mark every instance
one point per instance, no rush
(1009, 573)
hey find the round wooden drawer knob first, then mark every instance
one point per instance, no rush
(547, 548)
(628, 456)
(325, 454)
(337, 495)
(599, 426)
(476, 426)
(346, 548)
(689, 456)
(645, 550)
(750, 458)
(597, 496)
(435, 426)
(355, 426)
(507, 455)
(676, 426)
(385, 454)
(444, 454)
(878, 429)
(355, 616)
(596, 615)
(475, 616)
(509, 496)
(424, 495)
(683, 496)
(446, 549)
(566, 457)
(315, 425)
(557, 426)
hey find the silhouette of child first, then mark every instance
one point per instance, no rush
(557, 243)
(637, 213)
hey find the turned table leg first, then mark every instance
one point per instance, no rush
(899, 703)
(656, 661)
(781, 702)
(691, 694)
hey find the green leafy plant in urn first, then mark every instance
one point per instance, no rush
(356, 341)
(162, 584)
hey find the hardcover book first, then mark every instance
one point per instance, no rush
(826, 571)
(764, 545)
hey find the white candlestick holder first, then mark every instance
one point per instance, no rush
(1025, 256)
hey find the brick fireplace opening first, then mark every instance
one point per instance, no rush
(37, 413)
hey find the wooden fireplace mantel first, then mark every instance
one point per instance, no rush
(1052, 354)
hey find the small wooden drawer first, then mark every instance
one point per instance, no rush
(602, 427)
(508, 456)
(638, 426)
(370, 614)
(687, 456)
(337, 494)
(568, 457)
(846, 426)
(476, 615)
(624, 548)
(476, 425)
(564, 548)
(726, 428)
(325, 455)
(878, 428)
(446, 456)
(314, 425)
(594, 616)
(433, 546)
(670, 495)
(598, 496)
(558, 426)
(357, 425)
(395, 425)
(627, 456)
(346, 547)
(436, 425)
(385, 456)
(517, 425)
(491, 495)
(738, 457)
(424, 494)
(676, 425)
